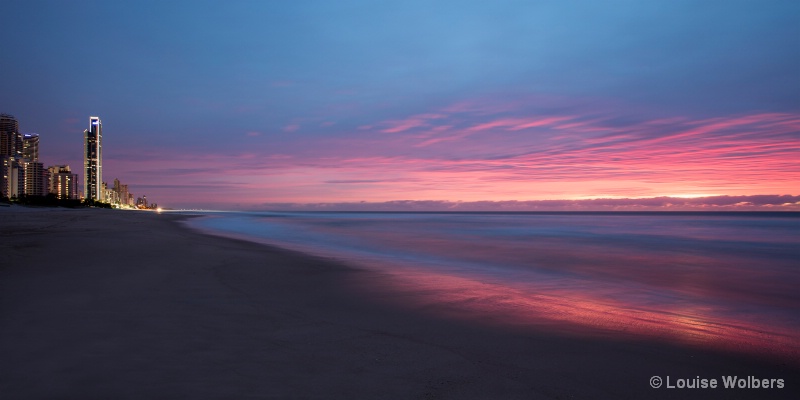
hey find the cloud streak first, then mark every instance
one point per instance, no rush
(500, 152)
(665, 204)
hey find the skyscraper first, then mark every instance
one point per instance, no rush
(6, 169)
(10, 138)
(30, 147)
(36, 178)
(120, 193)
(63, 183)
(35, 173)
(93, 160)
(8, 123)
(12, 177)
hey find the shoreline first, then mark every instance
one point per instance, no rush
(104, 304)
(524, 303)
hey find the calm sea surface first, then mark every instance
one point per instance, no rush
(728, 280)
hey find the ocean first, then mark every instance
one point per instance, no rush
(721, 280)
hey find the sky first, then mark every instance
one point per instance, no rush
(264, 104)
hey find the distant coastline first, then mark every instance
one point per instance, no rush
(768, 203)
(760, 213)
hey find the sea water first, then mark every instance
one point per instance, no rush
(723, 279)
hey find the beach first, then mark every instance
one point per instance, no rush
(133, 304)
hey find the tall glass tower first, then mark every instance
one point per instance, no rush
(12, 175)
(30, 146)
(10, 138)
(93, 160)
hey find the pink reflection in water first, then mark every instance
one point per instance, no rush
(717, 282)
(577, 313)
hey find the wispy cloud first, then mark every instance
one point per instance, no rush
(515, 124)
(501, 153)
(395, 126)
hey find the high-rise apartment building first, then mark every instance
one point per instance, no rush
(13, 184)
(120, 196)
(93, 160)
(63, 183)
(12, 177)
(8, 123)
(6, 169)
(120, 193)
(10, 138)
(109, 196)
(30, 147)
(36, 178)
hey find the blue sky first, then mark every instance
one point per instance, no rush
(287, 97)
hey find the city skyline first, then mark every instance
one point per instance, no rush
(476, 103)
(26, 180)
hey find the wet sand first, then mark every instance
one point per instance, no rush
(98, 304)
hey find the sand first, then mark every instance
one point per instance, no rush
(107, 304)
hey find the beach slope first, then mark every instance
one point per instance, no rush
(99, 304)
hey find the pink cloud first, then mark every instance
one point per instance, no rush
(515, 124)
(477, 153)
(500, 123)
(441, 139)
(396, 126)
(538, 122)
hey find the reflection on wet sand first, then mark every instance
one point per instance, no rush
(725, 282)
(576, 313)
